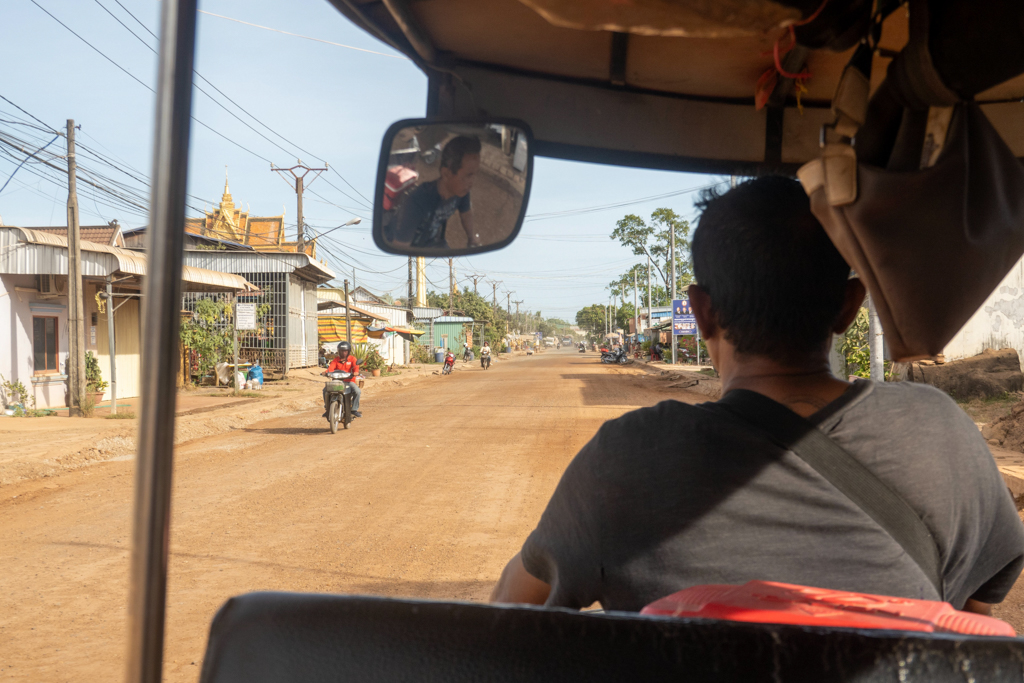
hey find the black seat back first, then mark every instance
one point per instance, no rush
(303, 638)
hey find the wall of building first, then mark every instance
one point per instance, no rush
(998, 324)
(16, 344)
(392, 348)
(127, 346)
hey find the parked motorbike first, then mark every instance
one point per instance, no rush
(449, 363)
(615, 356)
(339, 400)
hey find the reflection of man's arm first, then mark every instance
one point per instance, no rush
(466, 218)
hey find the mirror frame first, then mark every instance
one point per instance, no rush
(382, 168)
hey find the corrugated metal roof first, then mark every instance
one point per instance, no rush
(100, 234)
(260, 262)
(453, 319)
(334, 299)
(32, 252)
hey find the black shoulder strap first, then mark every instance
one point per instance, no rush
(889, 510)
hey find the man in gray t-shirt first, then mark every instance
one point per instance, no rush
(673, 496)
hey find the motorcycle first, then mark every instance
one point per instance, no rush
(449, 363)
(485, 361)
(615, 356)
(583, 349)
(339, 400)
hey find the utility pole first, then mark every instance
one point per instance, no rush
(421, 281)
(517, 314)
(412, 294)
(636, 311)
(494, 296)
(475, 277)
(650, 322)
(300, 186)
(348, 320)
(672, 256)
(76, 307)
(451, 285)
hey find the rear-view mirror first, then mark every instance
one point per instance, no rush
(451, 188)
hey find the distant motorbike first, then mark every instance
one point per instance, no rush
(583, 348)
(615, 356)
(485, 361)
(449, 363)
(339, 400)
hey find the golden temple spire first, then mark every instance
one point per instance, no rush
(225, 201)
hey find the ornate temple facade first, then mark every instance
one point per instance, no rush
(230, 223)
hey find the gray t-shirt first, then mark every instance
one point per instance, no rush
(675, 495)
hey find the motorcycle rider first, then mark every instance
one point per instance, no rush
(485, 355)
(344, 361)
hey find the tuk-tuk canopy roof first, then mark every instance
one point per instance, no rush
(614, 82)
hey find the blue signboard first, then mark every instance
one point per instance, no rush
(683, 321)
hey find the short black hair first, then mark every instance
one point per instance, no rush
(456, 149)
(775, 280)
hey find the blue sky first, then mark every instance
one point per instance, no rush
(332, 101)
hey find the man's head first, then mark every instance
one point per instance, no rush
(770, 280)
(344, 349)
(460, 161)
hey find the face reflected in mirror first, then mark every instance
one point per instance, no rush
(452, 188)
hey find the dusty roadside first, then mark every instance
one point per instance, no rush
(33, 448)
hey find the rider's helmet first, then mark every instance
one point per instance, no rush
(344, 349)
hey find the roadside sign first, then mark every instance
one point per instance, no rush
(683, 321)
(245, 316)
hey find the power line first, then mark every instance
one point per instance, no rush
(296, 35)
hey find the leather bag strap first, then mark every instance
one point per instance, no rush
(886, 507)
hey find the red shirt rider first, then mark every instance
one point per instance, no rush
(348, 365)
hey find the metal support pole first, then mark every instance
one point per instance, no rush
(410, 298)
(672, 257)
(876, 343)
(161, 321)
(111, 346)
(348, 319)
(76, 303)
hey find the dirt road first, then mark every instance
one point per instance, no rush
(427, 495)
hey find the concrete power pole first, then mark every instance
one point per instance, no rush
(421, 281)
(412, 292)
(672, 256)
(636, 310)
(518, 321)
(76, 302)
(348, 319)
(650, 323)
(475, 277)
(451, 285)
(300, 186)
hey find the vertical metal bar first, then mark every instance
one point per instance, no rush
(161, 321)
(111, 346)
(234, 346)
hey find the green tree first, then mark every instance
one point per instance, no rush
(653, 239)
(591, 319)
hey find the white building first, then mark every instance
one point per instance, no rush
(998, 324)
(34, 343)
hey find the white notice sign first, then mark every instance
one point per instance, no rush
(245, 316)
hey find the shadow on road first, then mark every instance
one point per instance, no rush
(345, 581)
(293, 431)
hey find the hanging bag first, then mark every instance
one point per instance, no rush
(919, 193)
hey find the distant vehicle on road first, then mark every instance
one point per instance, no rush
(566, 341)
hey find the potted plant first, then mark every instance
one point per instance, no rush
(374, 363)
(94, 382)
